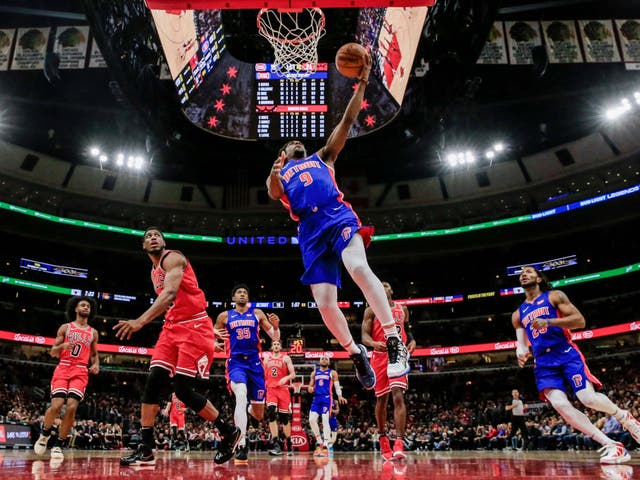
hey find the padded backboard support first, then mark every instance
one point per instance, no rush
(283, 4)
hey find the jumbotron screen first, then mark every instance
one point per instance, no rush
(236, 99)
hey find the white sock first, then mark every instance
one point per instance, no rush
(326, 429)
(240, 412)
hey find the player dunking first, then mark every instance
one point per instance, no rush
(329, 233)
(547, 316)
(240, 327)
(373, 336)
(184, 349)
(175, 410)
(76, 344)
(279, 372)
(320, 383)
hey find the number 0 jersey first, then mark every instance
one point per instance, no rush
(81, 339)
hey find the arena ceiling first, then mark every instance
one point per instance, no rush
(454, 103)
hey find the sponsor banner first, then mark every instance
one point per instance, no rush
(494, 51)
(522, 37)
(562, 41)
(31, 47)
(535, 408)
(629, 35)
(473, 296)
(96, 60)
(431, 300)
(599, 41)
(11, 434)
(6, 40)
(262, 240)
(71, 45)
(53, 269)
(314, 355)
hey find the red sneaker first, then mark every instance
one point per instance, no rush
(385, 448)
(398, 449)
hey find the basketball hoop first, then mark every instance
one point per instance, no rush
(294, 36)
(297, 387)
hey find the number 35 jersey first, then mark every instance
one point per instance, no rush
(244, 338)
(309, 186)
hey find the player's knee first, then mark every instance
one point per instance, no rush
(284, 418)
(156, 387)
(272, 414)
(72, 402)
(186, 394)
(589, 399)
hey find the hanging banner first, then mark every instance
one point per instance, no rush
(599, 41)
(562, 41)
(6, 40)
(96, 60)
(31, 48)
(71, 45)
(629, 35)
(522, 37)
(495, 50)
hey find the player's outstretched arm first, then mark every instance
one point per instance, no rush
(338, 137)
(174, 265)
(269, 323)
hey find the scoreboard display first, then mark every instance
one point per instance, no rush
(295, 346)
(291, 109)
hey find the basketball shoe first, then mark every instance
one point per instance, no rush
(142, 456)
(614, 453)
(41, 444)
(398, 449)
(630, 424)
(56, 452)
(398, 358)
(242, 457)
(385, 448)
(227, 446)
(276, 450)
(365, 374)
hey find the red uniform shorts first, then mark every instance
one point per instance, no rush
(185, 348)
(280, 397)
(69, 379)
(379, 363)
(177, 419)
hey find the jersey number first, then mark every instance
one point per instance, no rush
(76, 350)
(535, 333)
(306, 179)
(243, 333)
(274, 372)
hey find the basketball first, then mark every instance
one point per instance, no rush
(350, 59)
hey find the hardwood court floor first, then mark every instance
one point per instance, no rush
(472, 465)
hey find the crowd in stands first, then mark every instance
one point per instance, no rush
(437, 419)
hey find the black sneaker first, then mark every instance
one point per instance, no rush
(276, 450)
(289, 447)
(142, 456)
(227, 446)
(364, 372)
(241, 456)
(398, 365)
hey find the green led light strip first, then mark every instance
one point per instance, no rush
(591, 277)
(102, 226)
(379, 238)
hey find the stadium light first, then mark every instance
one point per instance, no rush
(139, 162)
(469, 156)
(499, 147)
(452, 159)
(94, 151)
(490, 154)
(103, 158)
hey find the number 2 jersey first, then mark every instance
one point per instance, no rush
(275, 369)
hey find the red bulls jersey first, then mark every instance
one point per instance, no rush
(190, 302)
(398, 315)
(81, 339)
(177, 407)
(275, 369)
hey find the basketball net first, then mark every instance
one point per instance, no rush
(297, 387)
(294, 36)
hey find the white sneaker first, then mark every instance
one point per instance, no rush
(398, 358)
(56, 452)
(617, 472)
(631, 425)
(614, 453)
(40, 447)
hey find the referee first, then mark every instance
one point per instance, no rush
(517, 418)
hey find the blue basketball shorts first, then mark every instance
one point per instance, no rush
(321, 404)
(248, 370)
(562, 365)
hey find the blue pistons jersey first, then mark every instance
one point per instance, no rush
(323, 382)
(244, 338)
(309, 186)
(547, 338)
